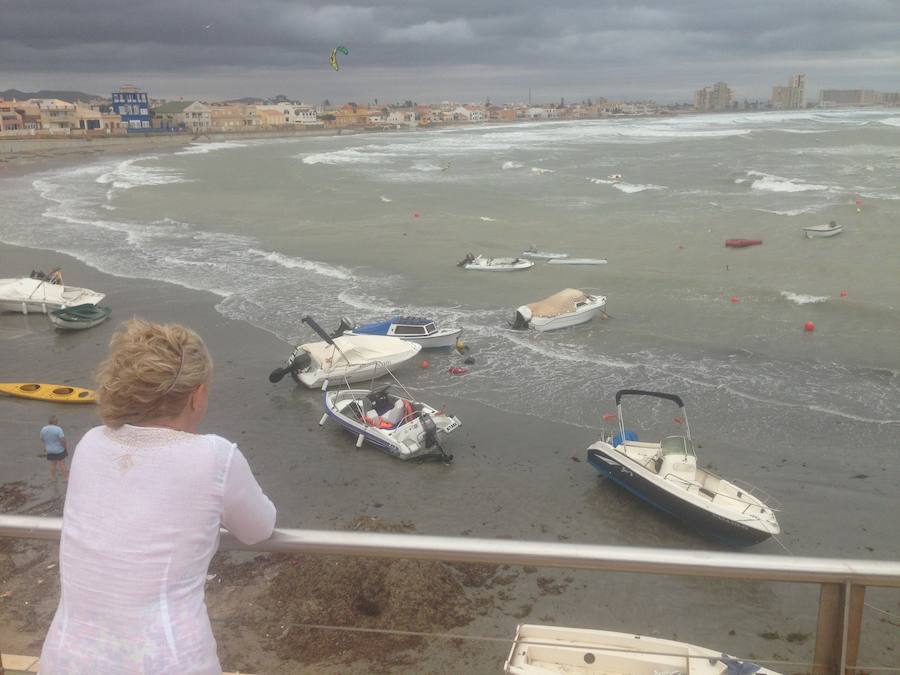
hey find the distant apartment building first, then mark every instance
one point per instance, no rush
(133, 106)
(715, 98)
(182, 116)
(228, 116)
(791, 97)
(56, 115)
(849, 97)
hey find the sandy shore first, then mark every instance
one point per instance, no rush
(512, 477)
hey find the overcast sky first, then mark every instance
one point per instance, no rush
(432, 50)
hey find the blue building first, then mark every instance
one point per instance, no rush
(132, 106)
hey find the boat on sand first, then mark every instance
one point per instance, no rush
(569, 307)
(553, 650)
(79, 317)
(28, 295)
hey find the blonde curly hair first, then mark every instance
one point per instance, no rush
(150, 372)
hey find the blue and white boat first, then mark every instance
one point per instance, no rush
(410, 328)
(667, 476)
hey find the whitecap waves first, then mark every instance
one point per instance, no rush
(507, 166)
(134, 173)
(891, 121)
(766, 182)
(803, 299)
(631, 188)
(206, 148)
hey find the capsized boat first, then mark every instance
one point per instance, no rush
(742, 243)
(55, 393)
(398, 424)
(483, 264)
(569, 307)
(347, 358)
(829, 230)
(578, 261)
(27, 295)
(78, 317)
(667, 476)
(410, 328)
(533, 252)
(550, 650)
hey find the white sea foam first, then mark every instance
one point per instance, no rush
(347, 156)
(487, 220)
(301, 263)
(766, 182)
(631, 188)
(427, 166)
(891, 121)
(512, 165)
(599, 181)
(205, 148)
(540, 171)
(802, 298)
(386, 200)
(790, 212)
(131, 174)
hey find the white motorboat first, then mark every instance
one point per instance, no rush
(532, 252)
(28, 295)
(398, 424)
(484, 264)
(551, 650)
(829, 230)
(577, 261)
(347, 358)
(569, 307)
(410, 328)
(666, 475)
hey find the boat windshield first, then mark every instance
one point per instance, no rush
(677, 445)
(429, 328)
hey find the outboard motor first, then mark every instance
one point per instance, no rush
(343, 327)
(430, 429)
(522, 318)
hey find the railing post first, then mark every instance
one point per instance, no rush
(838, 628)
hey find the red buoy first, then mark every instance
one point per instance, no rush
(843, 294)
(735, 298)
(416, 214)
(456, 370)
(809, 326)
(425, 363)
(609, 417)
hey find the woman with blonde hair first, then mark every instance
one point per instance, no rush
(146, 498)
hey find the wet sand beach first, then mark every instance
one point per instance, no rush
(514, 476)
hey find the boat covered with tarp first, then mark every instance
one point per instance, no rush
(29, 295)
(569, 307)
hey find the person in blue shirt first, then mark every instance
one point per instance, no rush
(55, 445)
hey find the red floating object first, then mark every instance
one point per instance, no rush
(609, 417)
(843, 294)
(809, 326)
(735, 299)
(456, 370)
(416, 214)
(425, 363)
(742, 243)
(678, 420)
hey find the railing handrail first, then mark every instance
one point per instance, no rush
(719, 564)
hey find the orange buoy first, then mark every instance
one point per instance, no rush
(735, 299)
(677, 419)
(809, 326)
(425, 363)
(843, 294)
(609, 417)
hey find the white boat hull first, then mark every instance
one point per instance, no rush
(367, 357)
(35, 296)
(822, 231)
(445, 337)
(544, 255)
(581, 315)
(577, 261)
(481, 264)
(551, 650)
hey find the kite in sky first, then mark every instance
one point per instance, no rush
(343, 50)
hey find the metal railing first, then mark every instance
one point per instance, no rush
(842, 581)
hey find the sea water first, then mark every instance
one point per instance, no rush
(368, 225)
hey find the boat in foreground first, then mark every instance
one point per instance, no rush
(55, 393)
(667, 476)
(27, 295)
(550, 650)
(829, 230)
(569, 307)
(79, 317)
(577, 261)
(483, 264)
(410, 328)
(401, 426)
(347, 358)
(533, 252)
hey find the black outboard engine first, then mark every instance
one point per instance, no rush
(345, 325)
(521, 319)
(431, 441)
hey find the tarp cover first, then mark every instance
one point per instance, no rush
(558, 303)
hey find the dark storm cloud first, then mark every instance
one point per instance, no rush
(473, 47)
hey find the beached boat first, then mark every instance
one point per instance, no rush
(532, 252)
(79, 317)
(55, 393)
(483, 264)
(398, 424)
(667, 476)
(742, 243)
(551, 650)
(577, 261)
(569, 307)
(347, 358)
(28, 295)
(410, 328)
(829, 230)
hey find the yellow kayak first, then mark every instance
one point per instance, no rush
(57, 393)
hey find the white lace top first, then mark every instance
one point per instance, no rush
(140, 525)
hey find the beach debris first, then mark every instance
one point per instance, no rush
(425, 364)
(735, 299)
(417, 215)
(469, 360)
(609, 417)
(334, 52)
(843, 294)
(461, 346)
(456, 370)
(809, 326)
